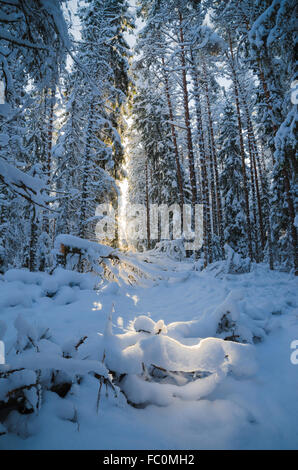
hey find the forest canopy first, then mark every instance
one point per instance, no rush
(201, 110)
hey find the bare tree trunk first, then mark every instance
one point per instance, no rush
(187, 118)
(262, 80)
(204, 173)
(147, 204)
(51, 94)
(254, 204)
(262, 159)
(50, 134)
(33, 241)
(84, 191)
(253, 150)
(174, 137)
(211, 178)
(291, 211)
(245, 187)
(215, 164)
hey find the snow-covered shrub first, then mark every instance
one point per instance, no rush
(233, 264)
(22, 287)
(20, 393)
(79, 254)
(231, 322)
(40, 365)
(174, 249)
(150, 367)
(23, 275)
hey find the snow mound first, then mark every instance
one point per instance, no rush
(39, 365)
(20, 287)
(144, 324)
(173, 249)
(147, 325)
(233, 264)
(231, 321)
(155, 368)
(93, 248)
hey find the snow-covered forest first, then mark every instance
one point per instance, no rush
(127, 127)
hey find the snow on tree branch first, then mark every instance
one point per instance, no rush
(26, 186)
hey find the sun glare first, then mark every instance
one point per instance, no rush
(122, 212)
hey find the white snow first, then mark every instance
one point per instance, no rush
(193, 389)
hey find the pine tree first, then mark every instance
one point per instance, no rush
(231, 182)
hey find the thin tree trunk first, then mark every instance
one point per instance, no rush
(51, 93)
(174, 137)
(147, 205)
(211, 178)
(187, 118)
(291, 211)
(285, 173)
(33, 241)
(253, 157)
(84, 194)
(219, 217)
(204, 173)
(245, 186)
(254, 202)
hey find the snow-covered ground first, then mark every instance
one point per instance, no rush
(247, 399)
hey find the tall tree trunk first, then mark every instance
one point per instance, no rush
(204, 173)
(192, 174)
(245, 186)
(285, 172)
(211, 179)
(262, 80)
(254, 202)
(219, 217)
(147, 204)
(32, 241)
(50, 100)
(174, 137)
(266, 92)
(86, 175)
(255, 158)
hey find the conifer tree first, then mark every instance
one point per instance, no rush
(231, 182)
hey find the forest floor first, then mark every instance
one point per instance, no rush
(253, 406)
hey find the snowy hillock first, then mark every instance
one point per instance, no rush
(86, 356)
(233, 263)
(40, 365)
(173, 249)
(151, 367)
(80, 254)
(21, 287)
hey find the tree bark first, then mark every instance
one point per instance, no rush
(192, 174)
(84, 193)
(204, 173)
(147, 204)
(174, 137)
(244, 176)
